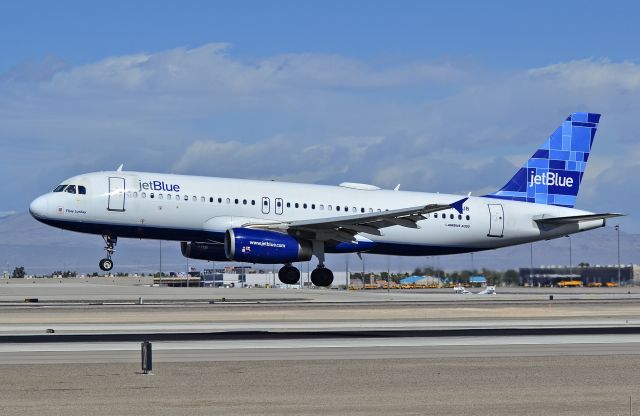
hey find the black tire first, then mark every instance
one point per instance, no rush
(289, 275)
(322, 276)
(106, 264)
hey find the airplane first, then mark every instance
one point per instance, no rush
(489, 290)
(460, 290)
(270, 222)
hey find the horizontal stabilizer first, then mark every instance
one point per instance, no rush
(575, 218)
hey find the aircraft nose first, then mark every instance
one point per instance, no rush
(38, 207)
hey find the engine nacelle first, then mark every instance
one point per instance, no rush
(203, 251)
(266, 247)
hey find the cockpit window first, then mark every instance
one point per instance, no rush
(59, 188)
(82, 190)
(71, 189)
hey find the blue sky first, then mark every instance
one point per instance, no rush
(439, 96)
(493, 33)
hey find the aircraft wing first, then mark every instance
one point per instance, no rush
(575, 218)
(344, 228)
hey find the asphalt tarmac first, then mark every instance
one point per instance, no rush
(303, 352)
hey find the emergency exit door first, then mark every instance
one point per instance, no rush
(266, 205)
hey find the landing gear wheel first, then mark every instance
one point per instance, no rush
(289, 275)
(106, 264)
(322, 276)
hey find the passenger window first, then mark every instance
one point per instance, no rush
(321, 207)
(194, 198)
(244, 202)
(337, 207)
(228, 200)
(362, 210)
(71, 189)
(371, 210)
(459, 217)
(435, 215)
(59, 188)
(304, 206)
(354, 209)
(329, 207)
(150, 194)
(288, 204)
(135, 194)
(468, 218)
(450, 216)
(236, 201)
(144, 194)
(313, 206)
(210, 199)
(297, 205)
(186, 197)
(169, 197)
(82, 190)
(202, 199)
(278, 204)
(253, 202)
(219, 200)
(160, 196)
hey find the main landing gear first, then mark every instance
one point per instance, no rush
(321, 276)
(290, 275)
(106, 264)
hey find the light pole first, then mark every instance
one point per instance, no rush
(347, 271)
(388, 272)
(617, 227)
(531, 265)
(570, 259)
(363, 267)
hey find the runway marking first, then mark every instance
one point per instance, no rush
(324, 343)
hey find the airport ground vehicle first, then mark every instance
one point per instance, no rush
(570, 283)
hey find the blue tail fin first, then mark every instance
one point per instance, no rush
(553, 174)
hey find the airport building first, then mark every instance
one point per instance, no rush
(553, 275)
(239, 276)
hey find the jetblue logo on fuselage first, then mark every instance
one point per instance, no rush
(158, 186)
(550, 179)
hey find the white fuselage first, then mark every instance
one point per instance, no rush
(192, 208)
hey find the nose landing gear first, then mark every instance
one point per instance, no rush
(106, 264)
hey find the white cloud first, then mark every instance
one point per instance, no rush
(310, 117)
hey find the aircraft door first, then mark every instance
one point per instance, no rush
(279, 206)
(496, 223)
(266, 205)
(116, 194)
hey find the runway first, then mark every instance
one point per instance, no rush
(524, 375)
(310, 352)
(248, 348)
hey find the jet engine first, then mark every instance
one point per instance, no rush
(203, 251)
(266, 247)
